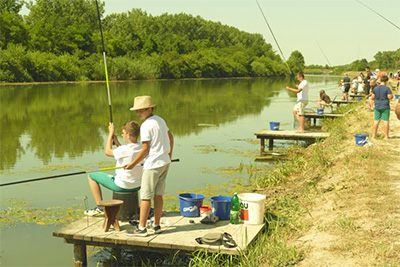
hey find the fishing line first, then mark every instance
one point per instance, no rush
(284, 59)
(69, 174)
(379, 14)
(105, 61)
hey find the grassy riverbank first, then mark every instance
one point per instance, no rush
(331, 204)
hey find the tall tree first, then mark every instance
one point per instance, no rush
(63, 26)
(296, 62)
(12, 26)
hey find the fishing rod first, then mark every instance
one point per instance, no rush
(284, 59)
(323, 54)
(69, 174)
(378, 14)
(105, 61)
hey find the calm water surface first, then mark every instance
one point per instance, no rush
(61, 128)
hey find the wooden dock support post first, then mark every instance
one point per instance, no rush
(271, 144)
(80, 255)
(262, 145)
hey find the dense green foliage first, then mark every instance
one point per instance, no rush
(388, 61)
(60, 40)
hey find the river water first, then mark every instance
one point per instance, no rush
(54, 129)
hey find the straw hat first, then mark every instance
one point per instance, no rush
(142, 102)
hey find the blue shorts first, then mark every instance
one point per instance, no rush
(107, 181)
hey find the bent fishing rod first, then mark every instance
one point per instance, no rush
(69, 174)
(276, 41)
(105, 61)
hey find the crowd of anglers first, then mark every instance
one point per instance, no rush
(373, 85)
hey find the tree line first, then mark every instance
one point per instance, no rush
(59, 40)
(384, 60)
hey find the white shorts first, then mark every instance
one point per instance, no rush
(300, 107)
(153, 182)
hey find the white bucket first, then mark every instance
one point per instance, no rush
(252, 208)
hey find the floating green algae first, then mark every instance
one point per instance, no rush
(21, 211)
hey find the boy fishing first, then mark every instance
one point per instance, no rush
(157, 145)
(124, 180)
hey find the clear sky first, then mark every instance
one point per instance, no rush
(343, 30)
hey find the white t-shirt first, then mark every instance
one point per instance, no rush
(355, 83)
(155, 130)
(303, 95)
(124, 154)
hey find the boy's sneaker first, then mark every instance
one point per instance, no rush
(94, 212)
(156, 229)
(137, 232)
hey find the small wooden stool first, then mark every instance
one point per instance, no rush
(111, 209)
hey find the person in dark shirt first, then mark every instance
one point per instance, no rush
(382, 95)
(366, 80)
(345, 86)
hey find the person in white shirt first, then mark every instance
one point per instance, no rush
(157, 145)
(302, 100)
(123, 180)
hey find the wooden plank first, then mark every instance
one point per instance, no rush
(177, 234)
(322, 116)
(167, 221)
(82, 235)
(198, 230)
(292, 135)
(338, 102)
(77, 226)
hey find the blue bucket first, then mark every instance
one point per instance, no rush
(359, 99)
(190, 204)
(361, 139)
(274, 126)
(396, 96)
(221, 207)
(320, 111)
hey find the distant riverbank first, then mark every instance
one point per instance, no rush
(337, 202)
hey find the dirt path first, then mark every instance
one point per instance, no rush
(356, 222)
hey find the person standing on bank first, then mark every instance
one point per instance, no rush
(302, 100)
(157, 145)
(368, 76)
(381, 95)
(346, 87)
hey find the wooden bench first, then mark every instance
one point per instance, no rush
(309, 137)
(315, 116)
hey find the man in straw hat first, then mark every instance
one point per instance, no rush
(157, 145)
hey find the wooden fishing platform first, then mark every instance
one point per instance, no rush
(309, 137)
(357, 95)
(177, 234)
(340, 101)
(315, 116)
